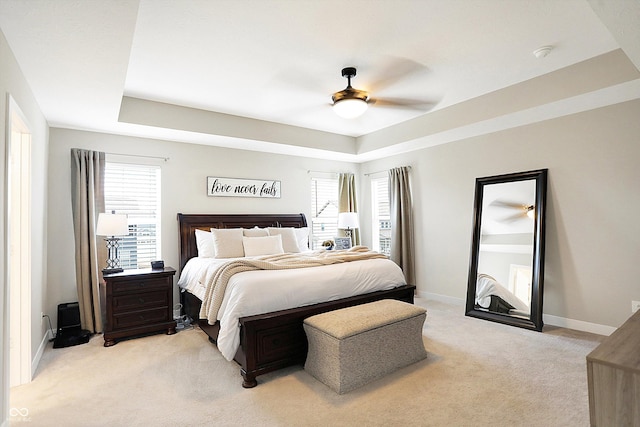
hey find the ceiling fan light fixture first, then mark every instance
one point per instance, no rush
(350, 103)
(531, 213)
(350, 108)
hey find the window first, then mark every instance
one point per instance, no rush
(380, 218)
(324, 210)
(520, 282)
(134, 190)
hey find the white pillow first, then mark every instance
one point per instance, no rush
(302, 238)
(289, 242)
(204, 243)
(267, 245)
(255, 232)
(228, 242)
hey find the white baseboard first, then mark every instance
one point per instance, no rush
(36, 358)
(441, 298)
(578, 325)
(548, 319)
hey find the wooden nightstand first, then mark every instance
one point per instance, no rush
(138, 302)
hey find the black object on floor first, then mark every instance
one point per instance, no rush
(69, 330)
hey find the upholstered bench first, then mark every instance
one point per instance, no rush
(353, 346)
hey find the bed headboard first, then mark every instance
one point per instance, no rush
(189, 223)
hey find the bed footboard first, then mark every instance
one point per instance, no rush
(276, 340)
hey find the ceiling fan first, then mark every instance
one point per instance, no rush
(522, 210)
(350, 103)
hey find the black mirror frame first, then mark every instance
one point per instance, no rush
(535, 320)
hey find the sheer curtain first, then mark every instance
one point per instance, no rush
(87, 198)
(402, 222)
(347, 200)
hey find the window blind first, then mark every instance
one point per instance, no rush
(134, 190)
(324, 210)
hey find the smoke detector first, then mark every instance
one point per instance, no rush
(542, 52)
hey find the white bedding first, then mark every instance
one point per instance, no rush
(256, 292)
(487, 286)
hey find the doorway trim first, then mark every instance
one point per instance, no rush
(18, 243)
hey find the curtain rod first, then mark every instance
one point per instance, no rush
(139, 155)
(366, 174)
(373, 173)
(328, 173)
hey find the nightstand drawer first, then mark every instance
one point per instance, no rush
(139, 318)
(142, 283)
(138, 301)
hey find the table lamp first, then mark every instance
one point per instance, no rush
(348, 221)
(112, 225)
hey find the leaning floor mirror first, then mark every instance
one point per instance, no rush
(506, 268)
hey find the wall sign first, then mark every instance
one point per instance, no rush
(238, 187)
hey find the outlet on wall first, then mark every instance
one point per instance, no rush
(635, 306)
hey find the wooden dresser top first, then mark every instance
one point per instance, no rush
(622, 348)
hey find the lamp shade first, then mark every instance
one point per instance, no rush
(111, 224)
(350, 108)
(348, 220)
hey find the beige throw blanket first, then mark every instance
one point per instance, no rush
(217, 283)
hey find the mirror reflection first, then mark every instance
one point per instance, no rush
(507, 254)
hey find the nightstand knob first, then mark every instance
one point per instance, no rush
(141, 285)
(141, 300)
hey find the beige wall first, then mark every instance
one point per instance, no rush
(183, 190)
(593, 234)
(13, 83)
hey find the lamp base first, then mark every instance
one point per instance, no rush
(112, 270)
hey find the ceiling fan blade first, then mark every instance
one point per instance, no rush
(409, 104)
(513, 218)
(301, 81)
(510, 205)
(395, 70)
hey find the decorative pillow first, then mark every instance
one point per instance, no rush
(268, 245)
(228, 242)
(289, 242)
(255, 232)
(302, 238)
(204, 243)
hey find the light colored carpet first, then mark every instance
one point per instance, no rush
(476, 373)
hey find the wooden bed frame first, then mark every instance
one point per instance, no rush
(273, 340)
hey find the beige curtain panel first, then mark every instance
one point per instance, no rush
(347, 200)
(87, 198)
(402, 222)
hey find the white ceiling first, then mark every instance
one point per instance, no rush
(95, 65)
